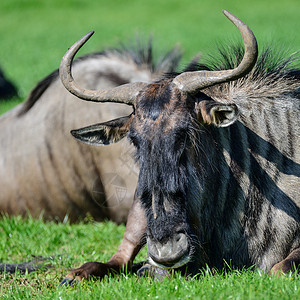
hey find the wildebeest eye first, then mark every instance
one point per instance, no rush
(134, 140)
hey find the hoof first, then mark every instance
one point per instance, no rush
(69, 282)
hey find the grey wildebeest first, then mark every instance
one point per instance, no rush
(218, 152)
(44, 170)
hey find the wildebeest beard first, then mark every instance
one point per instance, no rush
(163, 189)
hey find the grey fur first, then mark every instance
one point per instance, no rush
(44, 171)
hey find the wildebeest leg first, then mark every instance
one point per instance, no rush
(133, 241)
(291, 262)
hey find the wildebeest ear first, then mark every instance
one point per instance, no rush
(216, 113)
(104, 133)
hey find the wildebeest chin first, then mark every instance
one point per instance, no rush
(218, 152)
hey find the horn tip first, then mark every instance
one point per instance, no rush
(85, 38)
(90, 33)
(227, 13)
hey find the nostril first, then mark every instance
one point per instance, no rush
(181, 242)
(179, 237)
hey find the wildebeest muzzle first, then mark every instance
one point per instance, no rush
(171, 253)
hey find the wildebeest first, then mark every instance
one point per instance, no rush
(218, 152)
(44, 170)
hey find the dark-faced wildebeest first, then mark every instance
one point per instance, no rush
(219, 158)
(43, 169)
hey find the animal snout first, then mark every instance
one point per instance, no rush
(172, 253)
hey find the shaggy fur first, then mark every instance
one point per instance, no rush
(43, 170)
(219, 171)
(234, 191)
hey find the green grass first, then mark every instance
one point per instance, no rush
(232, 286)
(72, 245)
(34, 36)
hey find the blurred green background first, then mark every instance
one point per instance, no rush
(36, 33)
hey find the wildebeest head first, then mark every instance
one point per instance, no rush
(165, 128)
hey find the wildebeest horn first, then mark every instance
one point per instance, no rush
(191, 82)
(123, 94)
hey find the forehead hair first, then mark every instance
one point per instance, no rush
(161, 107)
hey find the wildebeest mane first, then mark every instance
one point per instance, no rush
(141, 53)
(270, 61)
(271, 66)
(36, 93)
(275, 72)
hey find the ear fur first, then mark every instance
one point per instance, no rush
(104, 133)
(218, 114)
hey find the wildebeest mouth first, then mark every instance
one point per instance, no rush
(171, 254)
(183, 261)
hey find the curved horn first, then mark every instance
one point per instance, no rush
(122, 94)
(191, 82)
